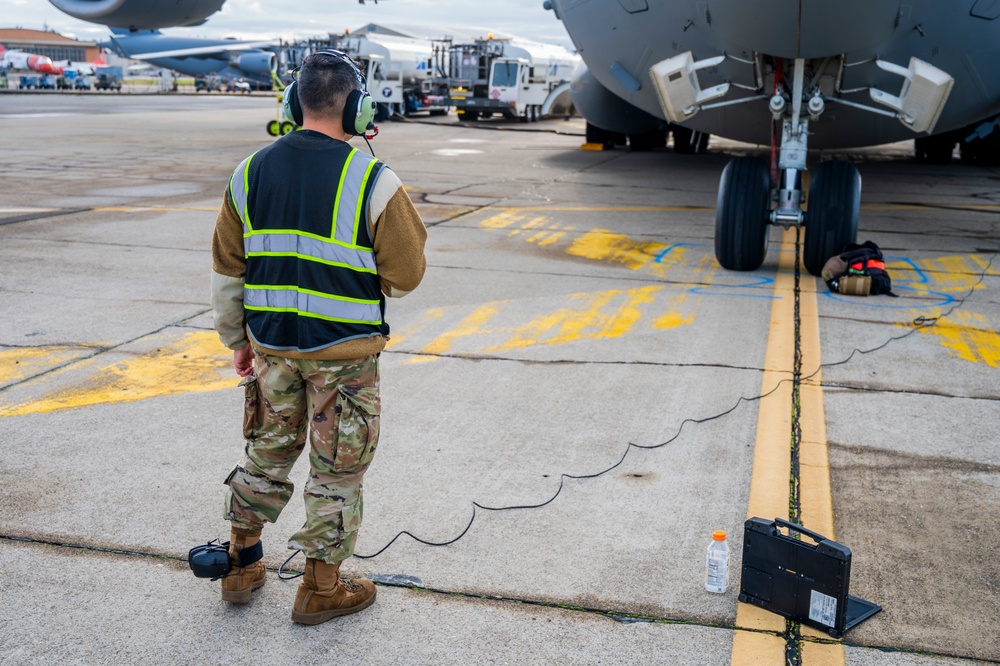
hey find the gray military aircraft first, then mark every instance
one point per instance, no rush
(795, 75)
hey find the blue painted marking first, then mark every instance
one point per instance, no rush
(663, 254)
(723, 290)
(870, 302)
(923, 276)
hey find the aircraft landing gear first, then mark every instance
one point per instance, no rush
(744, 210)
(743, 214)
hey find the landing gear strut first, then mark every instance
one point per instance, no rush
(745, 193)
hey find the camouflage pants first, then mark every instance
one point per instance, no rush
(335, 406)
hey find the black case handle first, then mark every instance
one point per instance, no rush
(818, 538)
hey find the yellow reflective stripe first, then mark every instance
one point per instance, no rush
(240, 198)
(340, 188)
(292, 287)
(306, 257)
(361, 201)
(313, 315)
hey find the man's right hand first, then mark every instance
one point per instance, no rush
(243, 361)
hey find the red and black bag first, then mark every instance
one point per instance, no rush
(863, 260)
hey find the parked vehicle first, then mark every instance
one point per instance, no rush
(27, 82)
(81, 83)
(108, 78)
(47, 82)
(208, 83)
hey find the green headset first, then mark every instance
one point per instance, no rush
(359, 110)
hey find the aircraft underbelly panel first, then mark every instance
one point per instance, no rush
(843, 38)
(802, 28)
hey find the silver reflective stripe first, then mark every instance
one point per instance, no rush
(311, 248)
(239, 189)
(311, 304)
(350, 197)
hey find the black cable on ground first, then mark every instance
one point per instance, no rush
(917, 324)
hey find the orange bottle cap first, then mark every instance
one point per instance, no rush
(719, 535)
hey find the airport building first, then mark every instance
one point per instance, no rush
(49, 44)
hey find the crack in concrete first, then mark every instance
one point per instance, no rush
(103, 350)
(525, 361)
(41, 215)
(623, 617)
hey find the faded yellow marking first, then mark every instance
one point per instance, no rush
(16, 364)
(471, 325)
(605, 245)
(196, 363)
(400, 336)
(966, 335)
(552, 239)
(591, 319)
(971, 337)
(501, 220)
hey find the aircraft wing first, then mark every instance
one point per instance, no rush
(201, 50)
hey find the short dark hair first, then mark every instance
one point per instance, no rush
(325, 81)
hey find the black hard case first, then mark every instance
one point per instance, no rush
(805, 582)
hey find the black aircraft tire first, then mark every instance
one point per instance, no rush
(832, 216)
(741, 214)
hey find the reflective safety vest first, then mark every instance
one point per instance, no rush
(311, 279)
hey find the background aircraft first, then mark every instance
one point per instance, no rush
(794, 75)
(81, 68)
(27, 61)
(197, 56)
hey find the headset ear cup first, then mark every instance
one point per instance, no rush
(359, 113)
(352, 107)
(290, 103)
(366, 116)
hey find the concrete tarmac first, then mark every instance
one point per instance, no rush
(576, 376)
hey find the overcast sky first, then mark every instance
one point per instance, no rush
(267, 19)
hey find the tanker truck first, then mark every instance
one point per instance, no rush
(399, 74)
(513, 77)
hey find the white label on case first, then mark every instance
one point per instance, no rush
(822, 608)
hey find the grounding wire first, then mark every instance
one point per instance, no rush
(918, 323)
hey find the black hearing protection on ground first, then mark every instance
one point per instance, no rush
(359, 110)
(211, 560)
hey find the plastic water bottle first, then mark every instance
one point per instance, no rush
(717, 563)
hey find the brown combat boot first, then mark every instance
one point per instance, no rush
(324, 595)
(241, 581)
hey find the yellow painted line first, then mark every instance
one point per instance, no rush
(772, 455)
(769, 483)
(195, 363)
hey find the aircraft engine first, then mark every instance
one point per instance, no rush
(258, 62)
(140, 14)
(602, 108)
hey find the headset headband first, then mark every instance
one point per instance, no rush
(340, 55)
